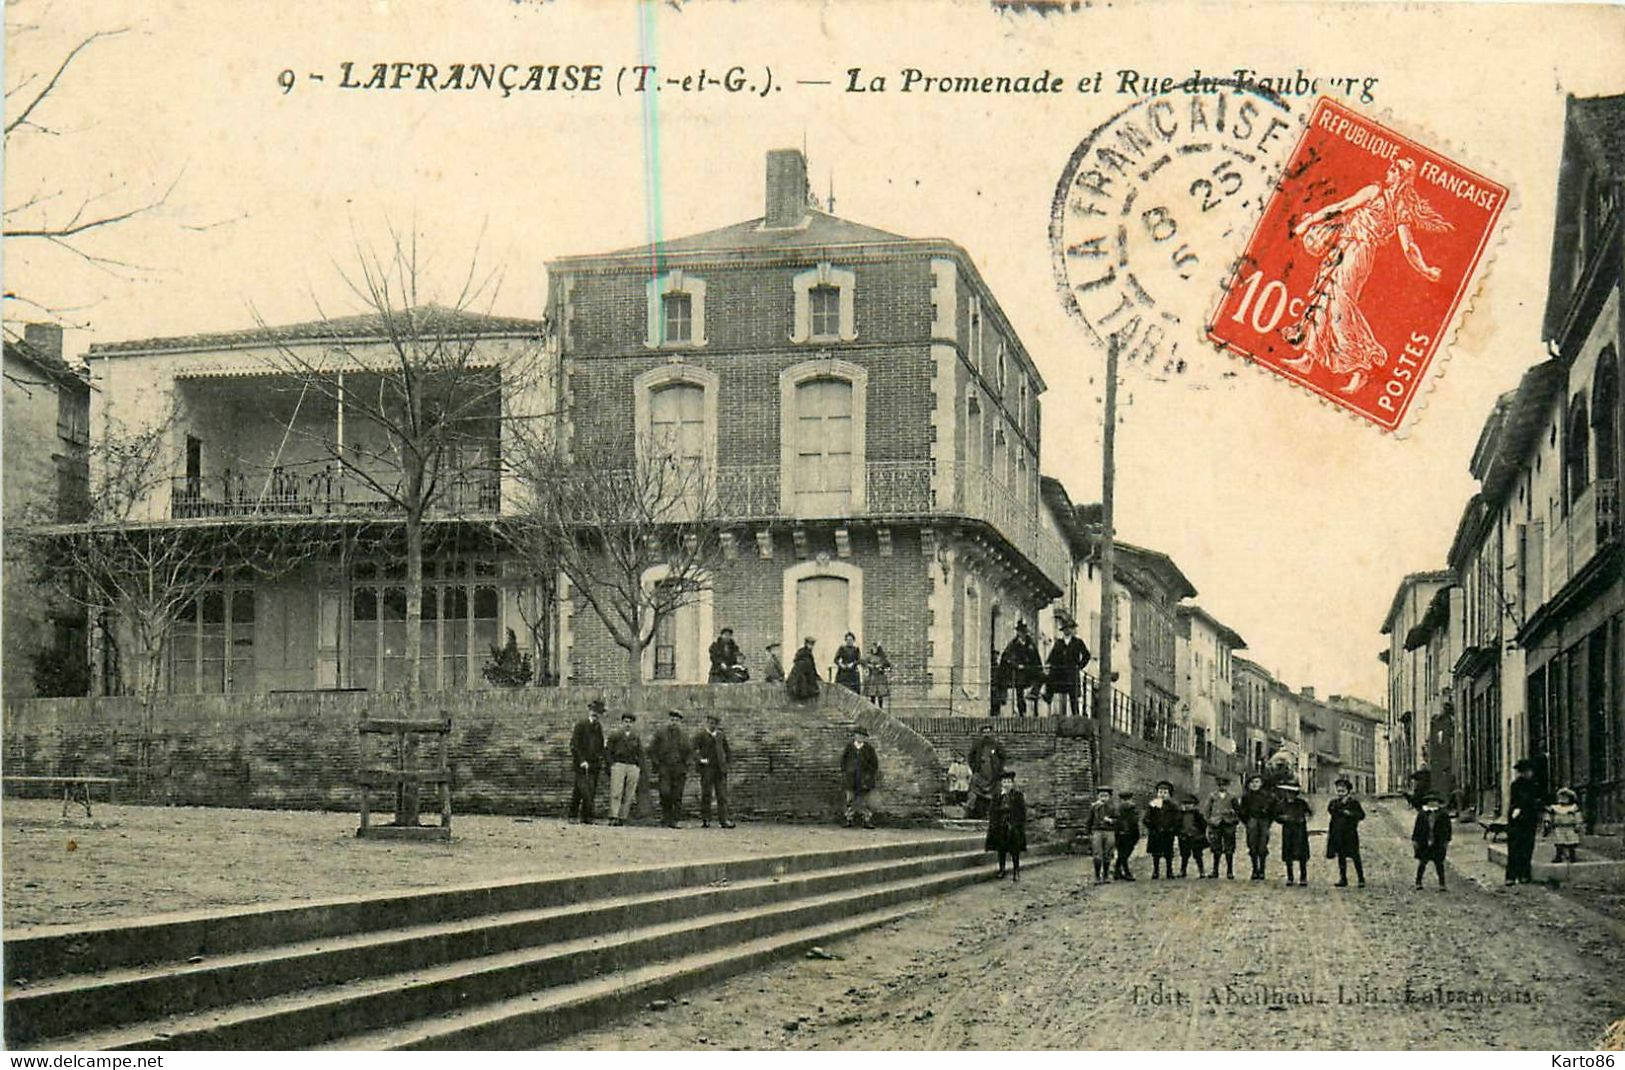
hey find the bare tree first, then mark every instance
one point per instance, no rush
(137, 577)
(430, 384)
(606, 528)
(66, 215)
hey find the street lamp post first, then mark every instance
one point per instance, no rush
(1103, 694)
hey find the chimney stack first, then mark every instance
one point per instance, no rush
(786, 188)
(44, 338)
(1307, 692)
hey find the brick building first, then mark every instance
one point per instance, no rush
(47, 438)
(868, 417)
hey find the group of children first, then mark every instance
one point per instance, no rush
(1113, 830)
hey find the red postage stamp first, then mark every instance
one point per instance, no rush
(1359, 262)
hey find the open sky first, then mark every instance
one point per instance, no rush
(1293, 521)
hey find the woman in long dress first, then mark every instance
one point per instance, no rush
(1346, 236)
(876, 682)
(848, 657)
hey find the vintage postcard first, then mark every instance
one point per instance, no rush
(709, 526)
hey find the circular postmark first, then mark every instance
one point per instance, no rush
(1152, 209)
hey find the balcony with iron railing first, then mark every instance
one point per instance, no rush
(1592, 525)
(330, 490)
(901, 489)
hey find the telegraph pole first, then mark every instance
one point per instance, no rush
(1108, 477)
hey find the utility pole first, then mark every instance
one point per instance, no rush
(1108, 598)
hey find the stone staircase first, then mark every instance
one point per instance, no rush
(508, 965)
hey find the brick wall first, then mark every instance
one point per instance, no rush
(510, 749)
(1056, 759)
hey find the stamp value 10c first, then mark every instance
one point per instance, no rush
(1359, 262)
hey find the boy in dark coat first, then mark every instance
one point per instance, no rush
(1101, 828)
(1161, 828)
(669, 752)
(1257, 812)
(712, 754)
(1292, 811)
(586, 759)
(1128, 833)
(1343, 832)
(860, 769)
(1192, 837)
(1007, 824)
(1223, 814)
(1430, 837)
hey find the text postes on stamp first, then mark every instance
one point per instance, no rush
(1358, 264)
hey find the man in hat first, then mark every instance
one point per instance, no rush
(1223, 814)
(860, 768)
(625, 752)
(1067, 657)
(775, 667)
(1128, 833)
(586, 758)
(725, 667)
(1524, 808)
(712, 755)
(986, 761)
(1021, 665)
(1161, 829)
(1293, 811)
(669, 752)
(1101, 828)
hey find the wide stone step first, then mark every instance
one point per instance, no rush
(536, 1019)
(324, 1015)
(43, 952)
(77, 1003)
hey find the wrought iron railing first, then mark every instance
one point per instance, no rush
(327, 491)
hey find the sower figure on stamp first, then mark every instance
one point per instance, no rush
(1101, 828)
(1347, 235)
(1067, 657)
(1007, 824)
(1192, 836)
(712, 755)
(860, 769)
(1525, 804)
(586, 759)
(1161, 829)
(669, 753)
(625, 753)
(1257, 813)
(1293, 812)
(1343, 832)
(1128, 833)
(1223, 814)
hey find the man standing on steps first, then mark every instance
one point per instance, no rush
(669, 753)
(625, 751)
(712, 754)
(586, 758)
(860, 768)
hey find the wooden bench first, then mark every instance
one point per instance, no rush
(75, 789)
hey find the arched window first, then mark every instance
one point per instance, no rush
(1576, 453)
(675, 417)
(822, 438)
(1605, 414)
(677, 652)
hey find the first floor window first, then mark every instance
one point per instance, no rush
(212, 642)
(459, 625)
(678, 314)
(825, 307)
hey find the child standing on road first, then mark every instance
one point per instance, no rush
(1257, 813)
(1293, 813)
(1430, 837)
(1192, 837)
(1101, 828)
(1128, 833)
(1007, 824)
(1564, 819)
(1161, 827)
(1343, 833)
